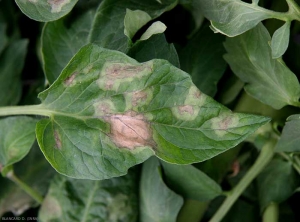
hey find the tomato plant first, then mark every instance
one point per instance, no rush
(154, 110)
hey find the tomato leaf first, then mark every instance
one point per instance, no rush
(289, 140)
(108, 113)
(158, 202)
(190, 182)
(46, 10)
(16, 138)
(87, 200)
(268, 80)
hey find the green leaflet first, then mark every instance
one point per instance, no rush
(108, 113)
(16, 138)
(87, 200)
(268, 80)
(111, 34)
(194, 6)
(46, 10)
(33, 170)
(154, 47)
(133, 21)
(158, 203)
(277, 182)
(10, 81)
(3, 37)
(61, 41)
(60, 44)
(156, 28)
(289, 140)
(190, 182)
(202, 58)
(280, 40)
(233, 17)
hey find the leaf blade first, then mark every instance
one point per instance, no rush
(46, 10)
(158, 202)
(106, 107)
(268, 80)
(280, 40)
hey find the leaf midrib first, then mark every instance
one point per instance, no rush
(89, 202)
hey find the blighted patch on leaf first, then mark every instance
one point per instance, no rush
(33, 1)
(130, 130)
(70, 80)
(103, 108)
(195, 97)
(222, 123)
(57, 140)
(114, 74)
(135, 100)
(192, 105)
(56, 5)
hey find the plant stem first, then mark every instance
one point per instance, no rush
(292, 160)
(192, 211)
(293, 7)
(24, 110)
(271, 213)
(35, 195)
(263, 159)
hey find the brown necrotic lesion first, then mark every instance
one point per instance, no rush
(130, 130)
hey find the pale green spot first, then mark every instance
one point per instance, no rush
(137, 99)
(195, 97)
(192, 105)
(87, 69)
(222, 123)
(104, 108)
(185, 112)
(56, 5)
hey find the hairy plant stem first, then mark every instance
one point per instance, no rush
(271, 213)
(35, 195)
(263, 159)
(24, 110)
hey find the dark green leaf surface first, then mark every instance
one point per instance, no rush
(60, 44)
(16, 138)
(290, 137)
(280, 40)
(190, 182)
(268, 80)
(33, 170)
(202, 57)
(46, 10)
(277, 182)
(3, 37)
(12, 198)
(109, 112)
(108, 27)
(10, 81)
(155, 47)
(233, 17)
(61, 41)
(87, 200)
(157, 202)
